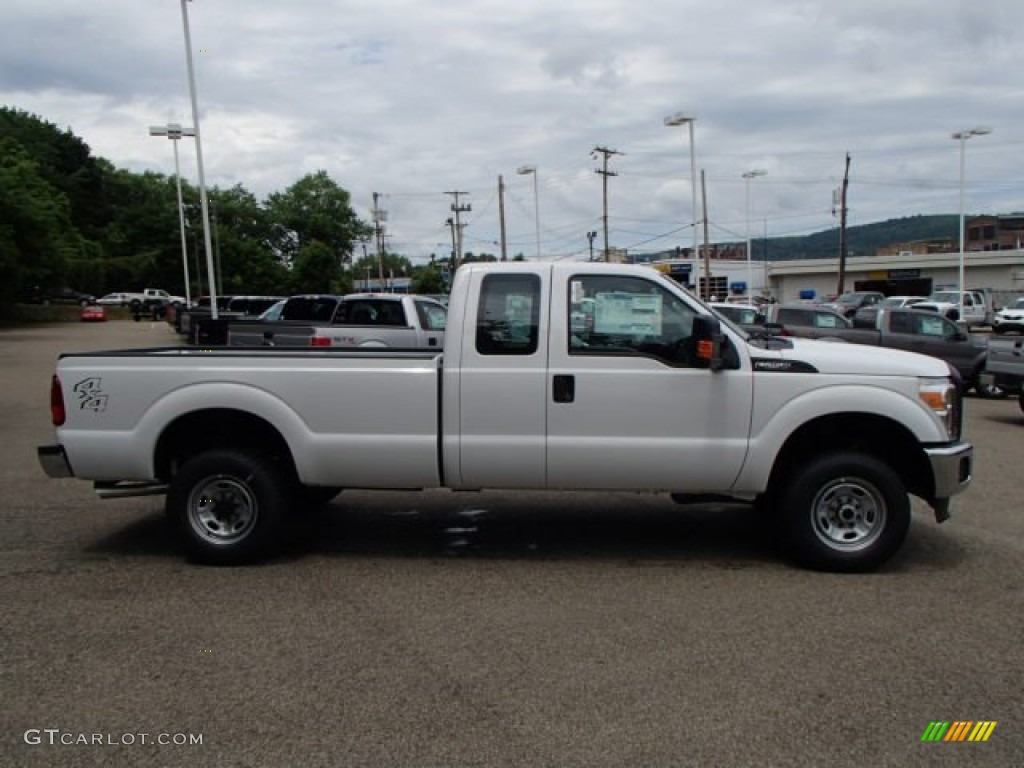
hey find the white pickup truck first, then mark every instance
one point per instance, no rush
(652, 393)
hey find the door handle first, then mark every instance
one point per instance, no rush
(564, 388)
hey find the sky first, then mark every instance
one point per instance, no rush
(411, 99)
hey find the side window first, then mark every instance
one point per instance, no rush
(825, 320)
(432, 316)
(931, 325)
(508, 317)
(613, 315)
(795, 317)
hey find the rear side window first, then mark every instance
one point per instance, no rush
(316, 308)
(794, 317)
(370, 312)
(433, 315)
(508, 317)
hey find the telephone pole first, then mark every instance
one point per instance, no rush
(605, 173)
(501, 217)
(458, 226)
(379, 217)
(842, 228)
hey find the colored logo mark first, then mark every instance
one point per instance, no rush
(958, 730)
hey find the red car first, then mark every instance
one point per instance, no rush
(92, 314)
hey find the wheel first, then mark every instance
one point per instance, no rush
(989, 391)
(844, 512)
(313, 497)
(229, 506)
(1020, 401)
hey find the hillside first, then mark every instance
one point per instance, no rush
(863, 240)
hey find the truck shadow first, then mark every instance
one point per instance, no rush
(635, 529)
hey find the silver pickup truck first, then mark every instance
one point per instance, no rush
(650, 392)
(356, 320)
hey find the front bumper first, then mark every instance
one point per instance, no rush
(54, 461)
(953, 470)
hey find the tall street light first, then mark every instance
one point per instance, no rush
(524, 170)
(199, 163)
(750, 274)
(681, 118)
(962, 137)
(174, 132)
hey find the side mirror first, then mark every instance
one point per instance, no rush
(708, 336)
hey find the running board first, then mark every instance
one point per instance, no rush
(128, 488)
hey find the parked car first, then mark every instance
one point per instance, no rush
(1004, 367)
(92, 313)
(848, 303)
(1009, 318)
(61, 296)
(865, 316)
(741, 314)
(972, 308)
(906, 329)
(359, 320)
(115, 300)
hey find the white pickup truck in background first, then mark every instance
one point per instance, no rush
(651, 392)
(358, 320)
(970, 308)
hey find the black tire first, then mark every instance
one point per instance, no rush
(229, 506)
(989, 391)
(1020, 401)
(844, 512)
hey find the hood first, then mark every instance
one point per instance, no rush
(838, 357)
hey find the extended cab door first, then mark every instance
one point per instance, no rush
(494, 385)
(629, 404)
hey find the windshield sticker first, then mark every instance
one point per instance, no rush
(90, 395)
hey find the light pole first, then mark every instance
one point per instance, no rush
(174, 132)
(681, 118)
(590, 239)
(750, 274)
(524, 170)
(199, 163)
(962, 137)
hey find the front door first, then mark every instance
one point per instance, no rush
(629, 404)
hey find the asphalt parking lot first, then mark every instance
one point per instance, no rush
(492, 629)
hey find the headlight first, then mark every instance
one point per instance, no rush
(943, 398)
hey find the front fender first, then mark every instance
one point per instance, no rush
(773, 424)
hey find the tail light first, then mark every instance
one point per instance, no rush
(320, 341)
(57, 414)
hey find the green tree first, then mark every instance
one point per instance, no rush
(313, 208)
(242, 239)
(36, 235)
(428, 279)
(317, 269)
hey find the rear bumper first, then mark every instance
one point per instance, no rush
(953, 470)
(54, 461)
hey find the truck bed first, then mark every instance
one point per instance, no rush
(350, 415)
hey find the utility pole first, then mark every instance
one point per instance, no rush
(379, 217)
(605, 173)
(501, 216)
(457, 231)
(707, 248)
(842, 228)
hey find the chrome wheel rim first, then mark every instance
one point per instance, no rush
(848, 514)
(222, 510)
